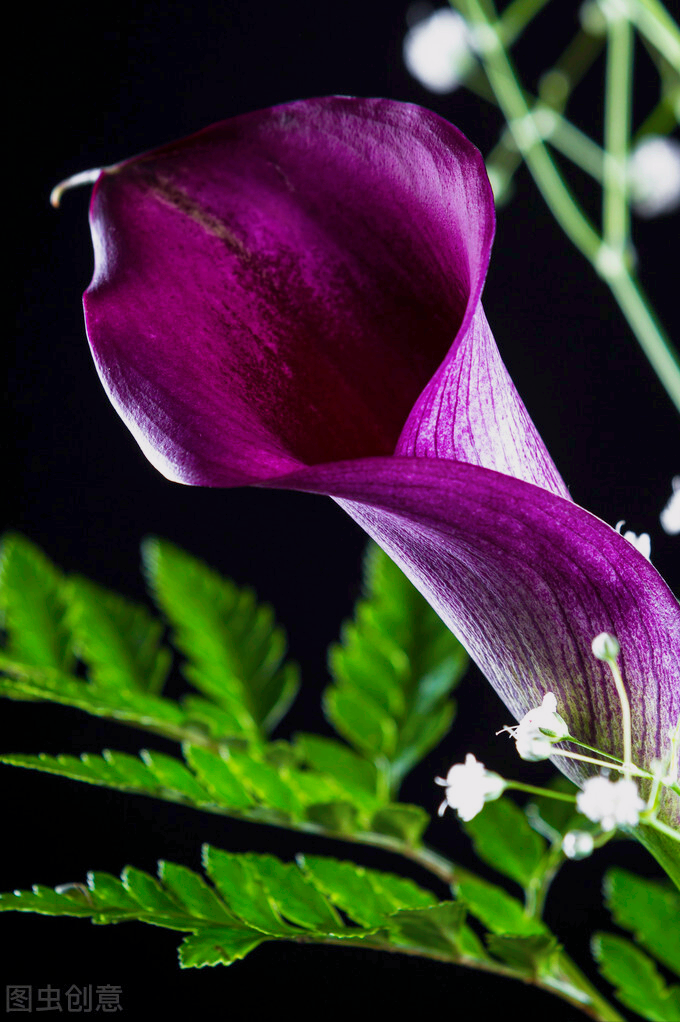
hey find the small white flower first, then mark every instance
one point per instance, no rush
(610, 803)
(642, 542)
(538, 730)
(654, 176)
(577, 844)
(468, 786)
(438, 51)
(670, 516)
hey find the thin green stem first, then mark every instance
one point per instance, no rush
(564, 136)
(570, 67)
(625, 715)
(654, 791)
(630, 768)
(578, 147)
(663, 827)
(618, 764)
(655, 23)
(675, 745)
(578, 57)
(571, 986)
(517, 16)
(662, 119)
(591, 748)
(617, 117)
(607, 262)
(539, 886)
(548, 792)
(599, 1008)
(527, 138)
(651, 336)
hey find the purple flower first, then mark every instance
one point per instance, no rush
(292, 299)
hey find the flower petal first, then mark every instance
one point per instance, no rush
(470, 411)
(526, 579)
(280, 287)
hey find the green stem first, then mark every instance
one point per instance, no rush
(617, 116)
(651, 336)
(662, 827)
(578, 147)
(625, 715)
(572, 986)
(655, 23)
(662, 119)
(517, 16)
(629, 768)
(599, 1008)
(582, 745)
(566, 138)
(547, 792)
(608, 264)
(537, 891)
(516, 112)
(571, 65)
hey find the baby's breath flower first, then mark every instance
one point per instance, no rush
(538, 730)
(642, 542)
(468, 786)
(610, 803)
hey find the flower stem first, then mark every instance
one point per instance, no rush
(548, 792)
(663, 827)
(625, 716)
(655, 23)
(511, 100)
(517, 16)
(646, 327)
(617, 116)
(629, 768)
(659, 28)
(582, 745)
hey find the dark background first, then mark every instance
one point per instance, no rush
(143, 74)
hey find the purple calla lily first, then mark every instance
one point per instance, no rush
(292, 299)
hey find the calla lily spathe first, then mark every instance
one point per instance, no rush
(292, 299)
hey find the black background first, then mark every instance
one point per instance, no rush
(97, 85)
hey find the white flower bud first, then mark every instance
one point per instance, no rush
(578, 844)
(654, 176)
(605, 646)
(468, 786)
(438, 51)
